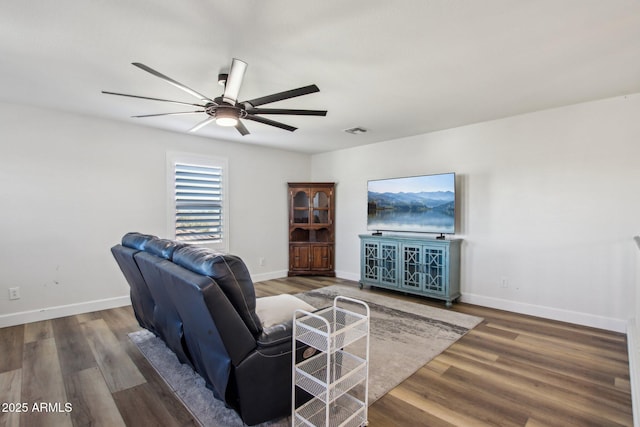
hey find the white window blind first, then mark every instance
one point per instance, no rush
(199, 202)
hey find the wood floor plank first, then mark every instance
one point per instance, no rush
(461, 347)
(91, 400)
(584, 343)
(156, 384)
(42, 384)
(87, 317)
(461, 398)
(38, 331)
(517, 389)
(443, 414)
(603, 359)
(567, 364)
(394, 411)
(73, 348)
(117, 368)
(11, 341)
(11, 395)
(615, 397)
(140, 407)
(624, 385)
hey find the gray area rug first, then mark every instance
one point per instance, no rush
(404, 336)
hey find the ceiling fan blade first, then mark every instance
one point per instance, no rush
(234, 81)
(202, 124)
(283, 95)
(287, 111)
(153, 99)
(173, 82)
(242, 128)
(270, 122)
(168, 114)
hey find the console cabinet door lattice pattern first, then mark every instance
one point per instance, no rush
(429, 267)
(411, 267)
(434, 274)
(380, 263)
(389, 264)
(370, 261)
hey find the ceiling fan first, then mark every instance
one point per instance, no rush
(226, 110)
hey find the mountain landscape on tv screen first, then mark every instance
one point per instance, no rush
(441, 201)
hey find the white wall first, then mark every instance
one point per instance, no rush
(636, 316)
(73, 185)
(548, 201)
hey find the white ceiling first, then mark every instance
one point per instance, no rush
(397, 68)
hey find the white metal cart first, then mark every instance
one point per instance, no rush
(336, 377)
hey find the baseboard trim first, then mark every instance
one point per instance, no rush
(47, 313)
(634, 366)
(348, 276)
(568, 316)
(284, 273)
(269, 276)
(584, 319)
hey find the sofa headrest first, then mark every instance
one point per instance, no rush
(136, 240)
(230, 273)
(162, 248)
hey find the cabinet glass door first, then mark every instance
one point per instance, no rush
(389, 264)
(370, 262)
(423, 269)
(321, 207)
(412, 267)
(433, 261)
(300, 207)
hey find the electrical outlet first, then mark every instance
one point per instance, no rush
(14, 293)
(504, 283)
(261, 261)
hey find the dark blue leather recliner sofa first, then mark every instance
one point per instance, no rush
(202, 304)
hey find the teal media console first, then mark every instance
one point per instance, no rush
(415, 265)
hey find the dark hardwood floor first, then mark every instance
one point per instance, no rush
(511, 370)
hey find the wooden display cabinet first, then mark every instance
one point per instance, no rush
(311, 228)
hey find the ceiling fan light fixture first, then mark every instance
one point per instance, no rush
(226, 116)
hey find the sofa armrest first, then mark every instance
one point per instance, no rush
(275, 335)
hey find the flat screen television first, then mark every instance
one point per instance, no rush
(422, 204)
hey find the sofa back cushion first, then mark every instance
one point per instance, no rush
(162, 248)
(216, 336)
(137, 240)
(141, 299)
(230, 273)
(166, 319)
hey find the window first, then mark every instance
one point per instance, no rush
(198, 199)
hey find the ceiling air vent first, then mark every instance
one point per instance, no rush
(356, 131)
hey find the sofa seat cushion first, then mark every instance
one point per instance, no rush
(278, 309)
(230, 273)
